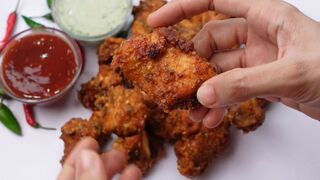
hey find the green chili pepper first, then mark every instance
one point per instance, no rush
(31, 23)
(2, 93)
(49, 3)
(48, 17)
(9, 120)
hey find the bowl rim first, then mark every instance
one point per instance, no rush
(96, 38)
(39, 30)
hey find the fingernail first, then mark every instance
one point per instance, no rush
(194, 117)
(206, 95)
(211, 124)
(87, 164)
(213, 120)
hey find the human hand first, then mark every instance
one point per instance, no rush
(84, 163)
(280, 61)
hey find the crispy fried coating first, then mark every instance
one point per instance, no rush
(124, 111)
(74, 130)
(98, 86)
(195, 153)
(107, 48)
(165, 67)
(141, 13)
(142, 150)
(173, 125)
(188, 28)
(212, 15)
(248, 116)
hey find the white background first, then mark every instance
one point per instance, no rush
(286, 147)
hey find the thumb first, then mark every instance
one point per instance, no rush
(89, 166)
(280, 78)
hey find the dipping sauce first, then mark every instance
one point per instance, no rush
(38, 66)
(85, 19)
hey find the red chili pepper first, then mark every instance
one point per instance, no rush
(28, 111)
(11, 23)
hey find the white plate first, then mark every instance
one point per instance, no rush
(286, 147)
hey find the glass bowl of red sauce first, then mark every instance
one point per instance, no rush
(39, 65)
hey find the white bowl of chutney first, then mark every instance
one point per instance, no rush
(91, 20)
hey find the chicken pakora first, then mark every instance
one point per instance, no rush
(189, 28)
(123, 111)
(141, 13)
(107, 48)
(196, 152)
(142, 150)
(249, 115)
(165, 67)
(173, 125)
(74, 130)
(98, 86)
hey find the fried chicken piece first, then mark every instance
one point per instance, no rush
(98, 86)
(212, 15)
(142, 150)
(123, 111)
(141, 13)
(74, 130)
(173, 125)
(248, 116)
(165, 67)
(107, 48)
(188, 28)
(195, 153)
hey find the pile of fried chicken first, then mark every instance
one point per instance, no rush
(143, 93)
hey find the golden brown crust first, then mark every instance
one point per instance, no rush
(164, 66)
(249, 115)
(172, 126)
(98, 86)
(76, 129)
(141, 13)
(124, 111)
(107, 48)
(195, 153)
(189, 28)
(142, 150)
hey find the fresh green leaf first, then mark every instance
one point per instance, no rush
(49, 3)
(31, 23)
(48, 17)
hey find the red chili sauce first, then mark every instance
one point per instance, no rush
(39, 66)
